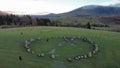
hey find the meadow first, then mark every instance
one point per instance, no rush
(12, 46)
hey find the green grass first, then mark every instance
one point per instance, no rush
(59, 45)
(11, 46)
(104, 28)
(91, 20)
(79, 20)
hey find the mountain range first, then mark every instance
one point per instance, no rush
(89, 10)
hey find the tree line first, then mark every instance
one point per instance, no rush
(26, 20)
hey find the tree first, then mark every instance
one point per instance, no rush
(88, 26)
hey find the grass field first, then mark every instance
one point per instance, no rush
(11, 46)
(79, 20)
(112, 26)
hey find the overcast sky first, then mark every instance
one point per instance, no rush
(51, 6)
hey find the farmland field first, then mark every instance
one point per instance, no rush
(12, 46)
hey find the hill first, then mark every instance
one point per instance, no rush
(110, 23)
(11, 47)
(3, 13)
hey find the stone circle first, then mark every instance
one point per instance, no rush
(95, 50)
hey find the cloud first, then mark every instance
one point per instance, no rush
(110, 2)
(33, 6)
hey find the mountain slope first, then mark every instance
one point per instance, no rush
(94, 11)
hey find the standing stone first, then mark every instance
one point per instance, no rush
(53, 56)
(79, 57)
(90, 54)
(76, 58)
(96, 47)
(69, 59)
(94, 52)
(85, 56)
(28, 50)
(32, 52)
(82, 57)
(42, 55)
